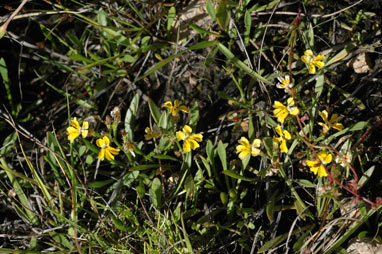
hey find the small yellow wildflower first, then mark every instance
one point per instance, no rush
(332, 123)
(316, 165)
(178, 106)
(285, 84)
(106, 150)
(312, 61)
(281, 141)
(281, 111)
(152, 133)
(74, 130)
(246, 148)
(190, 141)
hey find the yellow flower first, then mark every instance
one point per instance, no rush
(190, 141)
(285, 84)
(152, 133)
(312, 61)
(281, 111)
(74, 130)
(178, 105)
(316, 165)
(332, 123)
(245, 148)
(281, 141)
(106, 150)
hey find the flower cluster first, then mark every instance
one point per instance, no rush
(75, 130)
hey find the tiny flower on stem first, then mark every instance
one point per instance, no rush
(246, 148)
(285, 84)
(190, 141)
(74, 130)
(178, 106)
(312, 61)
(281, 141)
(347, 157)
(317, 165)
(155, 132)
(332, 123)
(106, 150)
(281, 111)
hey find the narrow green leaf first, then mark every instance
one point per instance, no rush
(99, 184)
(131, 115)
(194, 115)
(248, 25)
(319, 86)
(210, 10)
(165, 157)
(170, 18)
(204, 32)
(366, 176)
(222, 154)
(230, 56)
(154, 110)
(144, 167)
(235, 175)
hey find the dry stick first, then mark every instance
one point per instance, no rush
(4, 27)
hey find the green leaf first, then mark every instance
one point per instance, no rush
(8, 144)
(130, 117)
(154, 110)
(210, 153)
(171, 17)
(144, 167)
(319, 86)
(204, 32)
(230, 56)
(235, 175)
(194, 115)
(189, 185)
(156, 193)
(358, 126)
(223, 15)
(165, 157)
(210, 10)
(366, 176)
(304, 183)
(222, 154)
(248, 25)
(99, 184)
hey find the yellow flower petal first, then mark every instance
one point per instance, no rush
(101, 154)
(167, 104)
(187, 130)
(279, 131)
(322, 171)
(287, 135)
(283, 146)
(312, 69)
(180, 135)
(73, 133)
